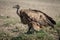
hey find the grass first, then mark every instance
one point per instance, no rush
(37, 36)
(4, 17)
(4, 36)
(8, 22)
(58, 24)
(41, 35)
(58, 28)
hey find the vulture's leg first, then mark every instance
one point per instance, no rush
(29, 28)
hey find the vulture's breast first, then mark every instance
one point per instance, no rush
(24, 18)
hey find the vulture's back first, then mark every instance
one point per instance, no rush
(34, 15)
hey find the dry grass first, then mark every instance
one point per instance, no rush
(12, 29)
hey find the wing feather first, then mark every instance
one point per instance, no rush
(51, 19)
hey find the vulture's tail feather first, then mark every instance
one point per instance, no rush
(50, 19)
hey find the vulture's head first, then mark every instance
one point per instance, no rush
(16, 6)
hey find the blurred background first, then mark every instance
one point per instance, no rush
(11, 27)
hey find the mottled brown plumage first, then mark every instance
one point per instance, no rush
(34, 18)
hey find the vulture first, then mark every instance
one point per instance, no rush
(35, 19)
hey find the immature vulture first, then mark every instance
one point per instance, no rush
(34, 18)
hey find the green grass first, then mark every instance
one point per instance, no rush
(37, 36)
(41, 35)
(58, 28)
(4, 36)
(4, 17)
(58, 24)
(8, 22)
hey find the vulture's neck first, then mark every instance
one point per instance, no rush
(17, 12)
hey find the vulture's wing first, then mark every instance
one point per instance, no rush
(51, 19)
(42, 18)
